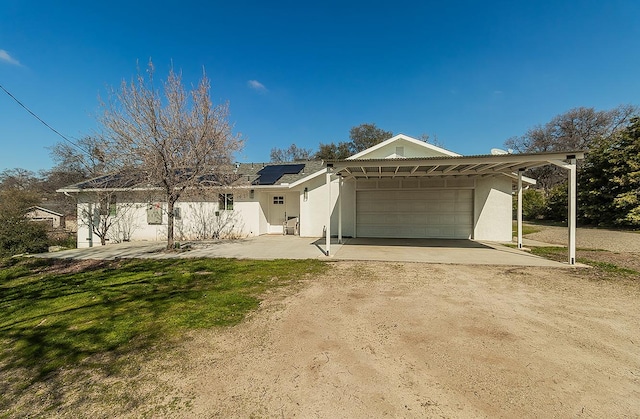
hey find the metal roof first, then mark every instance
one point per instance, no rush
(479, 165)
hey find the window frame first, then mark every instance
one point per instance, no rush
(225, 202)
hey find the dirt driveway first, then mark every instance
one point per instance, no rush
(375, 339)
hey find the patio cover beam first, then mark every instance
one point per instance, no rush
(483, 166)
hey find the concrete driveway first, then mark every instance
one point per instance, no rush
(466, 252)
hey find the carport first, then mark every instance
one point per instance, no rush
(469, 167)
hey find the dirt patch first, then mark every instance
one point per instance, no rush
(71, 266)
(407, 340)
(402, 340)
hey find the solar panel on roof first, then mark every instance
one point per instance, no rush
(270, 174)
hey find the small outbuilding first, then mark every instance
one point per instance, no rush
(52, 219)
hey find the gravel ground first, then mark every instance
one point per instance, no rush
(590, 238)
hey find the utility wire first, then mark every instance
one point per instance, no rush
(41, 120)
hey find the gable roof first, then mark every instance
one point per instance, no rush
(480, 165)
(430, 149)
(47, 210)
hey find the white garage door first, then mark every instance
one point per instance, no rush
(446, 214)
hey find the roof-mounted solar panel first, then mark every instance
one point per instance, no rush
(270, 174)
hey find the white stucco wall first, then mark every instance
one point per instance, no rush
(197, 221)
(492, 209)
(313, 211)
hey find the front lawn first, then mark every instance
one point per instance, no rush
(57, 313)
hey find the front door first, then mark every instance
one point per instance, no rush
(277, 211)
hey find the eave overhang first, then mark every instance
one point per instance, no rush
(467, 166)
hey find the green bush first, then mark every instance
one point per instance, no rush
(533, 204)
(557, 203)
(18, 235)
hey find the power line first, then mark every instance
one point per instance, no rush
(41, 120)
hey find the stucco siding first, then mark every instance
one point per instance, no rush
(492, 209)
(197, 220)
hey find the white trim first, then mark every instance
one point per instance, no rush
(305, 179)
(519, 211)
(406, 138)
(45, 210)
(572, 211)
(328, 227)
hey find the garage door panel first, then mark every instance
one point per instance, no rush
(415, 213)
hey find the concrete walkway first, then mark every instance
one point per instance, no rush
(466, 252)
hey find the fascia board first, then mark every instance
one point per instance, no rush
(308, 178)
(406, 138)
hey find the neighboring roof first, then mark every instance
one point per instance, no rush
(128, 181)
(504, 164)
(402, 137)
(45, 210)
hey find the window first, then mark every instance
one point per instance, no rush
(154, 213)
(108, 206)
(112, 206)
(177, 214)
(225, 201)
(278, 200)
(399, 151)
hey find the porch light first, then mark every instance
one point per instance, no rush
(306, 193)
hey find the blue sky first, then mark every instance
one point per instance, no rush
(472, 73)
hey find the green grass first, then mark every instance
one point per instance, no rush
(560, 254)
(50, 319)
(526, 229)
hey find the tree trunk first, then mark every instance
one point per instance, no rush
(170, 205)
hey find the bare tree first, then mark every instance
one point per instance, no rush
(176, 140)
(86, 158)
(431, 139)
(107, 218)
(576, 129)
(293, 153)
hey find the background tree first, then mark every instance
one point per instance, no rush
(85, 159)
(293, 153)
(533, 204)
(362, 137)
(18, 179)
(610, 179)
(575, 129)
(75, 162)
(431, 139)
(333, 151)
(174, 139)
(17, 233)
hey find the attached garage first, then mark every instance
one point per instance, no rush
(421, 213)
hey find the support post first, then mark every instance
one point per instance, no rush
(519, 211)
(328, 227)
(90, 238)
(340, 209)
(571, 220)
